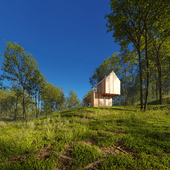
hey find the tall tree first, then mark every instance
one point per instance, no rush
(18, 66)
(125, 19)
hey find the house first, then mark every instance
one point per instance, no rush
(103, 92)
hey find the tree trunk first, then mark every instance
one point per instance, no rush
(125, 88)
(36, 105)
(16, 110)
(1, 112)
(132, 90)
(10, 112)
(153, 92)
(157, 89)
(27, 114)
(148, 75)
(41, 105)
(140, 71)
(15, 117)
(133, 97)
(23, 103)
(159, 79)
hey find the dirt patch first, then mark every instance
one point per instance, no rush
(108, 151)
(89, 143)
(85, 119)
(43, 154)
(67, 151)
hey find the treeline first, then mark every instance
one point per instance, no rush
(144, 71)
(30, 94)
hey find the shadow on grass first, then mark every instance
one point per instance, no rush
(146, 134)
(117, 109)
(107, 108)
(165, 100)
(157, 107)
(7, 119)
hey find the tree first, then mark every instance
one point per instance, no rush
(126, 21)
(133, 21)
(108, 65)
(72, 100)
(35, 88)
(19, 66)
(53, 98)
(17, 90)
(3, 99)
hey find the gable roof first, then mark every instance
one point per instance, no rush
(99, 83)
(103, 79)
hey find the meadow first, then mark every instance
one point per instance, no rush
(118, 137)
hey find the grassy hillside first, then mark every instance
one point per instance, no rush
(165, 100)
(89, 138)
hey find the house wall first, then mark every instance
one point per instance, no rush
(111, 90)
(87, 101)
(103, 86)
(92, 99)
(116, 85)
(108, 101)
(112, 84)
(98, 100)
(109, 86)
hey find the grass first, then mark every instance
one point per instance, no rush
(89, 138)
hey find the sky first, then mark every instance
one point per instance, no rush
(67, 38)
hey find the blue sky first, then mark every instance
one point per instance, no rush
(67, 38)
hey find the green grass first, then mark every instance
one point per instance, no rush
(122, 137)
(165, 100)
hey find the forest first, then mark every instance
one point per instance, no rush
(143, 64)
(29, 94)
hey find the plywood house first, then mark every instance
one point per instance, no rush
(103, 92)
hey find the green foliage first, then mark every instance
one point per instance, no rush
(108, 65)
(34, 164)
(53, 98)
(19, 66)
(119, 162)
(72, 100)
(89, 93)
(29, 86)
(85, 154)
